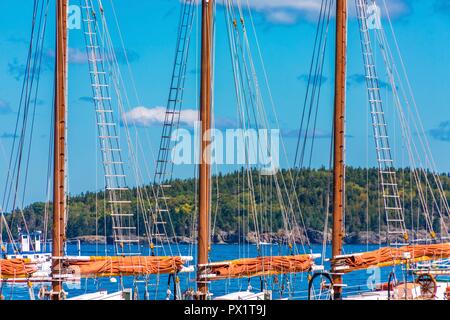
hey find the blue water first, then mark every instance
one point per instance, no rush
(292, 286)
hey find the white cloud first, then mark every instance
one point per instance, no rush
(281, 11)
(80, 56)
(303, 5)
(145, 117)
(4, 107)
(281, 16)
(292, 11)
(76, 55)
(397, 7)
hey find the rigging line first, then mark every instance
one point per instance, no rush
(136, 170)
(367, 172)
(34, 101)
(249, 114)
(427, 150)
(258, 99)
(24, 84)
(328, 201)
(100, 92)
(240, 95)
(425, 145)
(410, 89)
(26, 226)
(250, 179)
(35, 64)
(50, 152)
(124, 51)
(9, 233)
(411, 146)
(18, 162)
(171, 227)
(282, 205)
(289, 172)
(239, 83)
(164, 172)
(391, 200)
(97, 217)
(317, 78)
(133, 81)
(134, 85)
(133, 155)
(216, 211)
(320, 88)
(310, 76)
(266, 78)
(258, 96)
(49, 172)
(264, 70)
(262, 112)
(195, 214)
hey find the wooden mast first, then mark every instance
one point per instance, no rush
(59, 191)
(339, 138)
(205, 156)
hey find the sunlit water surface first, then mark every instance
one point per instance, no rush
(292, 286)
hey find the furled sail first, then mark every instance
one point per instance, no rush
(124, 266)
(254, 267)
(386, 257)
(16, 268)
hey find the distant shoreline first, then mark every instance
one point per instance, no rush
(224, 238)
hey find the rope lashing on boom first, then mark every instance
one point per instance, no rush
(125, 266)
(263, 266)
(387, 257)
(16, 268)
(98, 267)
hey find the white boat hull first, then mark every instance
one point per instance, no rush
(246, 296)
(398, 294)
(104, 296)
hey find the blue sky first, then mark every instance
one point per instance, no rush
(286, 34)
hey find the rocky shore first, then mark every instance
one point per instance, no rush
(224, 237)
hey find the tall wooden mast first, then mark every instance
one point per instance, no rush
(205, 156)
(59, 191)
(339, 137)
